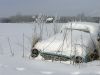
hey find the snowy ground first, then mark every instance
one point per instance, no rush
(17, 65)
(23, 66)
(13, 33)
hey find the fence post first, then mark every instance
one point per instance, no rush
(23, 45)
(11, 51)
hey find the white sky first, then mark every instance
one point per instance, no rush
(50, 7)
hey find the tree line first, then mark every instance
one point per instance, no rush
(43, 18)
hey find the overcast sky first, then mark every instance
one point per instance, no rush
(50, 7)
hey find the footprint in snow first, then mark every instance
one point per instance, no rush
(5, 66)
(76, 73)
(20, 69)
(98, 73)
(46, 72)
(1, 65)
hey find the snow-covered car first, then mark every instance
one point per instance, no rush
(77, 41)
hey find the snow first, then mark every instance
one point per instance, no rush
(18, 65)
(81, 41)
(76, 73)
(23, 66)
(20, 68)
(46, 72)
(14, 32)
(86, 26)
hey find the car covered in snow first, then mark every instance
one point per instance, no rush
(76, 41)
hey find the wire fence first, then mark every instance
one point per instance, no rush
(15, 45)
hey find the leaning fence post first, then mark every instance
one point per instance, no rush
(23, 45)
(11, 51)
